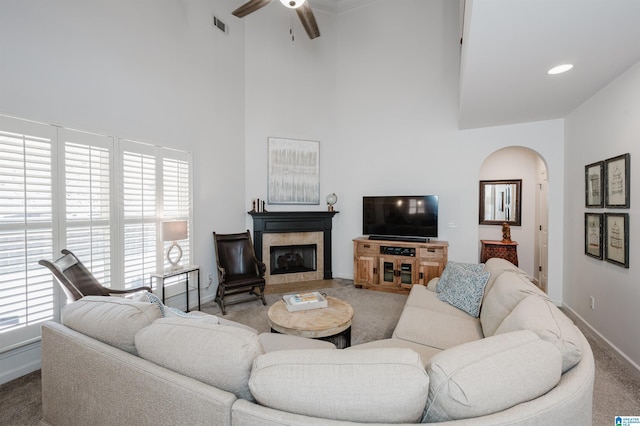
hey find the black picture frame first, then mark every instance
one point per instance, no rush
(594, 185)
(616, 245)
(593, 236)
(617, 172)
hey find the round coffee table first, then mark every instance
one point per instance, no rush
(332, 323)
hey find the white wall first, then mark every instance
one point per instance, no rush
(381, 97)
(157, 72)
(605, 126)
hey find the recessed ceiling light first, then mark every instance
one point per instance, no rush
(560, 69)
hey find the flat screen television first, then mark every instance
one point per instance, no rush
(400, 217)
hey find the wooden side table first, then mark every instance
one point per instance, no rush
(503, 250)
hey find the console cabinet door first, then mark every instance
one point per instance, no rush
(366, 270)
(397, 273)
(427, 270)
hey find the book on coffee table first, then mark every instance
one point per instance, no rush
(304, 301)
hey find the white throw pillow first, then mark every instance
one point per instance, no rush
(490, 375)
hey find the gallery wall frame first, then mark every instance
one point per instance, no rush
(594, 184)
(617, 172)
(293, 171)
(616, 234)
(593, 235)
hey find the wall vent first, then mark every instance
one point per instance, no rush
(219, 24)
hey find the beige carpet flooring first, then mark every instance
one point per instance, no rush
(616, 392)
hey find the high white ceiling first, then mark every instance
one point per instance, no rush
(509, 45)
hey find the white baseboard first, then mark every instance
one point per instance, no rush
(621, 356)
(20, 361)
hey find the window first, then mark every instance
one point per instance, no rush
(27, 226)
(101, 197)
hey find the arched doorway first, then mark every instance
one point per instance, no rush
(517, 162)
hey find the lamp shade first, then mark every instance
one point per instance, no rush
(174, 230)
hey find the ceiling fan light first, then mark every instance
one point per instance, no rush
(292, 4)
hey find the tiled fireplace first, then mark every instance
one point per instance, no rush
(295, 246)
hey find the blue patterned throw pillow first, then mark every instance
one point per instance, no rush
(451, 269)
(165, 310)
(463, 287)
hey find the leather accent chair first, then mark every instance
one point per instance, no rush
(77, 281)
(239, 270)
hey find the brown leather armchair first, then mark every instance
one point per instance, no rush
(239, 271)
(77, 281)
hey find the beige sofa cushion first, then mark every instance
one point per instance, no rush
(490, 375)
(219, 355)
(432, 322)
(374, 385)
(545, 319)
(507, 291)
(111, 320)
(496, 266)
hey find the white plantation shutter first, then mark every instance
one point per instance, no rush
(156, 186)
(176, 199)
(139, 190)
(26, 229)
(87, 201)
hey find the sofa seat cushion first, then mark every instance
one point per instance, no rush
(111, 320)
(490, 375)
(376, 386)
(507, 291)
(545, 319)
(425, 352)
(428, 321)
(279, 342)
(219, 355)
(462, 285)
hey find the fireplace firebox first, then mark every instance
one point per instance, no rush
(292, 259)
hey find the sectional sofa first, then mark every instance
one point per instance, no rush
(503, 355)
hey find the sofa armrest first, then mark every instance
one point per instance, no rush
(85, 381)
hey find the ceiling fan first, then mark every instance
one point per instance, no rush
(302, 8)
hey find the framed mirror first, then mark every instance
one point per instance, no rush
(500, 202)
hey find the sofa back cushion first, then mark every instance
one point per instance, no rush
(385, 385)
(219, 355)
(111, 320)
(545, 319)
(490, 375)
(507, 291)
(496, 266)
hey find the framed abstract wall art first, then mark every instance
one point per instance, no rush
(293, 171)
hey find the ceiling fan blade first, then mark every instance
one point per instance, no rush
(308, 20)
(249, 7)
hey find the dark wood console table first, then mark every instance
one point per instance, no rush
(503, 250)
